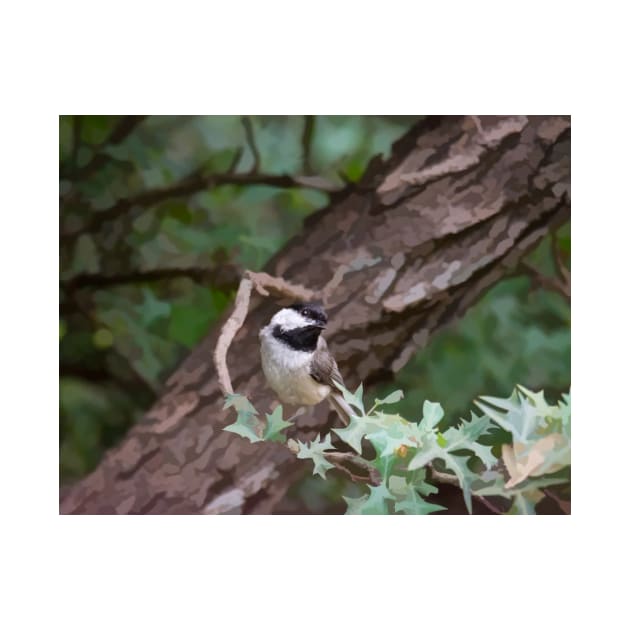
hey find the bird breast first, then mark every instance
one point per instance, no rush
(288, 373)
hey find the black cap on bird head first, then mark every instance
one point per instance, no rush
(312, 310)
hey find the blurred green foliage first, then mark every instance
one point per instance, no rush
(135, 295)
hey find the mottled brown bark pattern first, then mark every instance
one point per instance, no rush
(397, 257)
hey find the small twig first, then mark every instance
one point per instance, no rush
(228, 332)
(452, 480)
(336, 458)
(488, 504)
(565, 506)
(279, 287)
(546, 282)
(443, 477)
(251, 142)
(264, 284)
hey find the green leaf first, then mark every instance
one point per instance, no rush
(246, 426)
(356, 399)
(413, 503)
(376, 502)
(354, 432)
(465, 476)
(387, 440)
(392, 398)
(465, 436)
(315, 451)
(432, 413)
(407, 499)
(426, 453)
(275, 426)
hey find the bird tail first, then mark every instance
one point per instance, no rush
(343, 409)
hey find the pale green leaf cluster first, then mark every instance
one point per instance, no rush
(540, 452)
(249, 425)
(536, 455)
(315, 451)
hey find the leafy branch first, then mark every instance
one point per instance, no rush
(224, 276)
(534, 458)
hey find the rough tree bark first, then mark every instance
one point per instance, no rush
(400, 255)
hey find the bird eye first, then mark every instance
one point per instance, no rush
(305, 312)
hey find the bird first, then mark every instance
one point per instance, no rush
(296, 361)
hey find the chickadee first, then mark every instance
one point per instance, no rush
(296, 360)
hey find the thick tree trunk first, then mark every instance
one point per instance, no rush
(396, 257)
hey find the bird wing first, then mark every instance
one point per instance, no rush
(324, 370)
(324, 367)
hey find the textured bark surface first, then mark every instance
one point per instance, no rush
(396, 258)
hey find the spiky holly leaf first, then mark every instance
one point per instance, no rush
(315, 451)
(275, 426)
(458, 438)
(413, 503)
(356, 430)
(246, 425)
(355, 400)
(465, 476)
(376, 502)
(525, 414)
(465, 436)
(508, 411)
(537, 399)
(388, 440)
(407, 498)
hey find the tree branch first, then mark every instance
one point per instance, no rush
(373, 477)
(223, 277)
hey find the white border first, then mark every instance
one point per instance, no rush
(395, 57)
